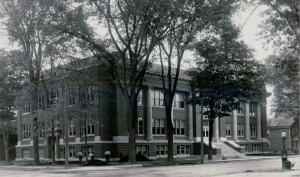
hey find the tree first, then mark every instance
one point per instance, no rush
(11, 77)
(134, 28)
(283, 75)
(197, 16)
(27, 24)
(225, 74)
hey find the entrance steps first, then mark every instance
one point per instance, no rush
(227, 150)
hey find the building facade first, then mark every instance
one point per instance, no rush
(245, 128)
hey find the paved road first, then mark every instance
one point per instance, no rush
(265, 167)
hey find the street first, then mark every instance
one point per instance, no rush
(262, 167)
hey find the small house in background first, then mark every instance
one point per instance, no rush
(275, 127)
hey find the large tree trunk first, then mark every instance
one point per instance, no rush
(85, 144)
(170, 133)
(35, 133)
(52, 144)
(6, 141)
(131, 127)
(35, 137)
(211, 123)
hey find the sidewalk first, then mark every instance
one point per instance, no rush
(117, 165)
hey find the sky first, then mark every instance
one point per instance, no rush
(249, 35)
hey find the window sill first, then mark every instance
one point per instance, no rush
(72, 136)
(229, 136)
(241, 136)
(25, 113)
(140, 135)
(158, 135)
(158, 106)
(91, 135)
(182, 109)
(26, 139)
(180, 135)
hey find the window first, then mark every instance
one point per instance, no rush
(253, 130)
(41, 102)
(71, 152)
(42, 130)
(143, 150)
(157, 97)
(158, 126)
(87, 128)
(179, 127)
(26, 108)
(241, 108)
(245, 146)
(41, 153)
(140, 126)
(53, 97)
(72, 99)
(295, 144)
(140, 98)
(26, 131)
(240, 130)
(183, 150)
(179, 101)
(205, 131)
(72, 130)
(86, 95)
(252, 109)
(255, 147)
(228, 129)
(25, 153)
(161, 150)
(89, 150)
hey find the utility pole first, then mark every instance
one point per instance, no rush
(66, 127)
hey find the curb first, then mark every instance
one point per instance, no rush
(199, 162)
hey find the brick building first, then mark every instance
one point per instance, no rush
(245, 130)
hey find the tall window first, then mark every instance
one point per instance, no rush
(183, 149)
(140, 126)
(179, 101)
(25, 153)
(72, 98)
(26, 108)
(42, 130)
(86, 95)
(228, 129)
(143, 150)
(241, 108)
(157, 97)
(26, 131)
(140, 98)
(179, 127)
(252, 109)
(161, 150)
(205, 131)
(41, 153)
(41, 102)
(158, 126)
(255, 147)
(89, 150)
(88, 128)
(253, 130)
(240, 130)
(53, 97)
(72, 129)
(71, 152)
